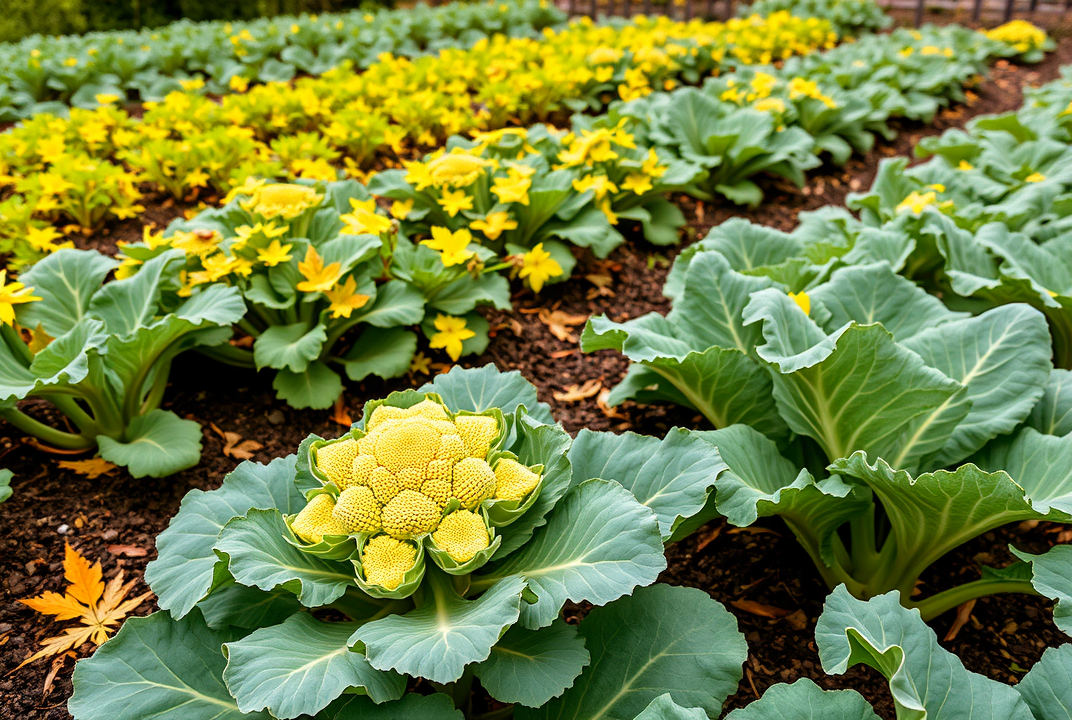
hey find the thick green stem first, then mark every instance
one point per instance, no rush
(67, 405)
(864, 553)
(248, 328)
(229, 355)
(11, 338)
(44, 433)
(944, 601)
(835, 574)
(156, 392)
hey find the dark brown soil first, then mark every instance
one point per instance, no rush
(114, 517)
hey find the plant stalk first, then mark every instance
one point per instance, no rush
(946, 600)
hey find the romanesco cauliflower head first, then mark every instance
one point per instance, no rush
(413, 473)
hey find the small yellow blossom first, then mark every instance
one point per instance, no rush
(275, 253)
(16, 293)
(454, 201)
(494, 224)
(318, 278)
(453, 247)
(638, 183)
(451, 332)
(345, 299)
(1034, 178)
(401, 208)
(538, 267)
(802, 300)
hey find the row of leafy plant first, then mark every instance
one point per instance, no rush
(46, 74)
(848, 17)
(90, 168)
(445, 533)
(321, 283)
(858, 406)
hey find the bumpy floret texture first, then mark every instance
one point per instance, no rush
(411, 464)
(514, 481)
(358, 510)
(462, 534)
(337, 461)
(317, 519)
(386, 561)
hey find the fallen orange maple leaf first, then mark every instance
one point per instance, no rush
(99, 607)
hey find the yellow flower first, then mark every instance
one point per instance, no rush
(599, 184)
(494, 224)
(770, 105)
(802, 299)
(106, 98)
(274, 254)
(964, 165)
(1034, 178)
(41, 238)
(638, 183)
(538, 267)
(512, 189)
(453, 247)
(345, 298)
(651, 166)
(16, 293)
(317, 277)
(456, 169)
(281, 200)
(454, 201)
(451, 332)
(199, 242)
(401, 208)
(238, 83)
(915, 202)
(364, 218)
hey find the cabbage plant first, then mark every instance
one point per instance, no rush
(101, 355)
(439, 539)
(859, 412)
(925, 680)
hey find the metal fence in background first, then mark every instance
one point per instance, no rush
(723, 9)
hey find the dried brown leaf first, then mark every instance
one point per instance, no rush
(560, 323)
(964, 611)
(754, 608)
(130, 551)
(576, 393)
(91, 469)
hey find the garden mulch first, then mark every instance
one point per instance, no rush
(760, 572)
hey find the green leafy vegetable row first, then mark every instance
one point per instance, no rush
(783, 120)
(849, 17)
(243, 573)
(45, 74)
(856, 405)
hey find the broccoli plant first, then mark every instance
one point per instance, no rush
(101, 355)
(860, 411)
(439, 539)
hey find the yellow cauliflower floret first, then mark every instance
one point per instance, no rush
(513, 481)
(363, 467)
(409, 513)
(387, 560)
(477, 432)
(451, 448)
(437, 488)
(412, 478)
(317, 520)
(462, 534)
(474, 482)
(382, 414)
(336, 461)
(405, 444)
(384, 484)
(358, 510)
(428, 409)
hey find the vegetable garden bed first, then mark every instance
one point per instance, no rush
(759, 572)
